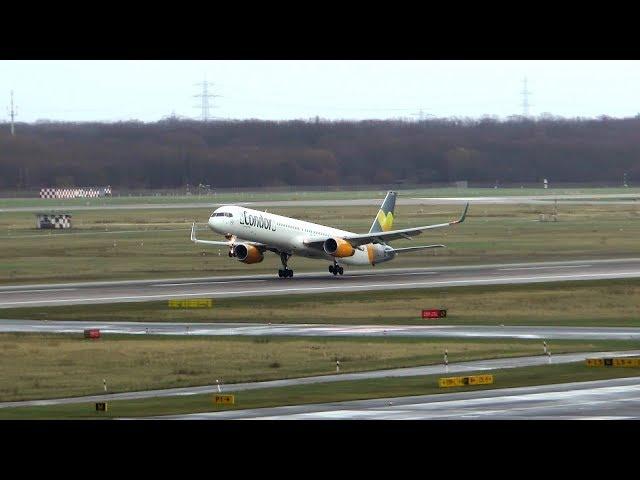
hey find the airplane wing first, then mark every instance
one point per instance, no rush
(206, 242)
(411, 249)
(381, 237)
(220, 244)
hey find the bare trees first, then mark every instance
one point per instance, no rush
(256, 153)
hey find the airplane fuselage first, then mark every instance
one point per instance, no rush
(289, 234)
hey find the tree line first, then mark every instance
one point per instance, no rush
(252, 153)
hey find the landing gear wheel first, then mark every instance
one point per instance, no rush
(335, 268)
(340, 270)
(287, 272)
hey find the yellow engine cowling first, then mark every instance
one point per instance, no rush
(338, 247)
(248, 253)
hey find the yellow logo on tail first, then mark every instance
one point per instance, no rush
(385, 221)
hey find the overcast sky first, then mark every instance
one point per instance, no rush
(150, 90)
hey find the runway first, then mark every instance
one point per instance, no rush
(479, 365)
(599, 400)
(315, 282)
(622, 198)
(319, 330)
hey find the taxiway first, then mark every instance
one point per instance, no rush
(610, 198)
(321, 330)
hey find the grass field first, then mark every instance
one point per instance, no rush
(611, 303)
(228, 197)
(320, 393)
(49, 366)
(130, 244)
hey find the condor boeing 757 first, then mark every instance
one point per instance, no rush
(250, 233)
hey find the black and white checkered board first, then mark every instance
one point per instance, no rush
(87, 192)
(54, 221)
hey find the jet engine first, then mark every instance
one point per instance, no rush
(248, 253)
(338, 247)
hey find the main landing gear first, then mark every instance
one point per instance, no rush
(287, 272)
(336, 269)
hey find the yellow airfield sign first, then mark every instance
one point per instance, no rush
(224, 399)
(191, 303)
(614, 362)
(446, 382)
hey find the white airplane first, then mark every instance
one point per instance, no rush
(249, 233)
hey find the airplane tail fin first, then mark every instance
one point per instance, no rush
(384, 220)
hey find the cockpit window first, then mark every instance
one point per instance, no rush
(221, 214)
(227, 214)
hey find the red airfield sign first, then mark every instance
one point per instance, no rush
(434, 313)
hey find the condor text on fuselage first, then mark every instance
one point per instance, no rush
(259, 221)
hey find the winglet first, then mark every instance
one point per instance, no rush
(464, 215)
(193, 232)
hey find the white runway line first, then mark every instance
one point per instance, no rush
(540, 268)
(205, 283)
(40, 290)
(407, 273)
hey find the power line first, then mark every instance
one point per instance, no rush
(525, 99)
(204, 99)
